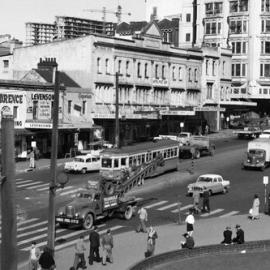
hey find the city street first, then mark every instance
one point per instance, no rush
(159, 195)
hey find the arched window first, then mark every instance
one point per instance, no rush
(98, 65)
(139, 70)
(107, 66)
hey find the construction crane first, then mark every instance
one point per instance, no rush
(118, 13)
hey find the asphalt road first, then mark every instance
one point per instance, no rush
(159, 195)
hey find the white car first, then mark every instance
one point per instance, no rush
(83, 164)
(214, 183)
(265, 134)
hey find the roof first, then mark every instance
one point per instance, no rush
(47, 74)
(140, 148)
(210, 175)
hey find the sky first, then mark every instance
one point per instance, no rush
(15, 13)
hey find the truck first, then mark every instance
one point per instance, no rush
(258, 154)
(198, 145)
(248, 132)
(183, 137)
(102, 198)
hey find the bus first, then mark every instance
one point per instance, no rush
(116, 161)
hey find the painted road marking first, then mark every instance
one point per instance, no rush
(212, 213)
(167, 206)
(31, 184)
(155, 204)
(23, 182)
(38, 186)
(23, 222)
(70, 192)
(229, 214)
(182, 208)
(45, 188)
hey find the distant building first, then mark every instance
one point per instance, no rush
(65, 28)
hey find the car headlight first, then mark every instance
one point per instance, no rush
(248, 160)
(77, 215)
(257, 161)
(60, 213)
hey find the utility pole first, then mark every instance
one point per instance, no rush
(53, 165)
(117, 139)
(8, 196)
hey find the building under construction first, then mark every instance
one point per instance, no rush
(65, 28)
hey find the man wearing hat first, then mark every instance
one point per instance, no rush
(189, 241)
(94, 246)
(227, 234)
(239, 239)
(107, 245)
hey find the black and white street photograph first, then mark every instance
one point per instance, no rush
(134, 135)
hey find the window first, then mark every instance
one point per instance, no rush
(212, 28)
(265, 26)
(239, 6)
(239, 69)
(239, 47)
(209, 94)
(15, 112)
(173, 74)
(116, 163)
(119, 66)
(265, 70)
(213, 8)
(238, 26)
(207, 67)
(127, 69)
(180, 75)
(123, 161)
(265, 47)
(189, 75)
(156, 71)
(98, 65)
(265, 6)
(139, 70)
(233, 6)
(69, 106)
(107, 66)
(196, 75)
(187, 37)
(213, 68)
(223, 67)
(163, 72)
(6, 63)
(188, 17)
(83, 107)
(146, 71)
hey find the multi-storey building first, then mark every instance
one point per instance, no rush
(241, 25)
(39, 33)
(64, 28)
(156, 81)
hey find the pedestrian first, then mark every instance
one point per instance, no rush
(254, 212)
(94, 240)
(32, 159)
(196, 200)
(107, 246)
(34, 256)
(179, 205)
(151, 242)
(227, 234)
(190, 220)
(206, 130)
(240, 236)
(46, 260)
(79, 260)
(206, 202)
(189, 241)
(143, 217)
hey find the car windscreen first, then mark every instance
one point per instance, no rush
(79, 159)
(85, 195)
(256, 152)
(204, 179)
(183, 135)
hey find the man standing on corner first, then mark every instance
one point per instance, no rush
(107, 246)
(206, 203)
(143, 218)
(94, 246)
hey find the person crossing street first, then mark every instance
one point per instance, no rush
(143, 217)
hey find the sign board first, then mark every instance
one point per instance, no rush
(160, 82)
(265, 180)
(209, 109)
(38, 125)
(171, 112)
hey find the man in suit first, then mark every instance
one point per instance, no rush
(239, 239)
(227, 236)
(94, 246)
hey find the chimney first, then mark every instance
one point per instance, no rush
(48, 64)
(153, 16)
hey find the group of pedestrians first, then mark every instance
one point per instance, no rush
(205, 200)
(238, 239)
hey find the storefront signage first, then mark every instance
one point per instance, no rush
(44, 110)
(166, 112)
(85, 96)
(11, 98)
(209, 109)
(42, 96)
(38, 125)
(160, 82)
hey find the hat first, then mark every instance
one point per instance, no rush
(228, 228)
(185, 234)
(237, 226)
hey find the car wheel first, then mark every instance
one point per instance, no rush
(83, 171)
(88, 221)
(128, 213)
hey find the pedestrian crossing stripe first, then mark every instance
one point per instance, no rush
(167, 206)
(38, 186)
(30, 184)
(182, 208)
(155, 204)
(212, 213)
(23, 181)
(70, 191)
(229, 214)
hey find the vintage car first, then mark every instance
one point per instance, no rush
(83, 164)
(214, 183)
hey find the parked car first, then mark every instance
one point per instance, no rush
(83, 164)
(214, 183)
(265, 134)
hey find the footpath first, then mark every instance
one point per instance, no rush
(129, 247)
